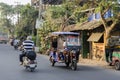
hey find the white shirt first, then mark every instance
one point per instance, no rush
(64, 44)
(28, 45)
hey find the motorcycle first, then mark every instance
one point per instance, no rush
(16, 46)
(29, 64)
(29, 61)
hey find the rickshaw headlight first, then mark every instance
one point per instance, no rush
(73, 51)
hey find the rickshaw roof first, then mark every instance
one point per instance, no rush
(65, 33)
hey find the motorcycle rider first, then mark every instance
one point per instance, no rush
(28, 50)
(16, 42)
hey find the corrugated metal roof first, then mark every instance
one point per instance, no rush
(95, 37)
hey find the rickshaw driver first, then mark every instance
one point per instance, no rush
(65, 50)
(60, 55)
(64, 44)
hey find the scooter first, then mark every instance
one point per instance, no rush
(29, 64)
(16, 46)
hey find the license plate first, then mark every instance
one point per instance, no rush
(32, 65)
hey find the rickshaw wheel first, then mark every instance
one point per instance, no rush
(74, 65)
(117, 65)
(67, 64)
(52, 61)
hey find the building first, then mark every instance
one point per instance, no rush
(45, 3)
(93, 35)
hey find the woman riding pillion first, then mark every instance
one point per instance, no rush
(28, 50)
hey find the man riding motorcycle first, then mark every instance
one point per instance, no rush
(16, 43)
(28, 50)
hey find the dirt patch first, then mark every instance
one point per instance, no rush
(91, 62)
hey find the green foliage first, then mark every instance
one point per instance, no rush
(34, 39)
(6, 14)
(6, 9)
(26, 19)
(26, 25)
(57, 12)
(58, 16)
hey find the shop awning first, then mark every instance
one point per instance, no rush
(95, 37)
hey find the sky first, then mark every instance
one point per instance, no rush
(13, 2)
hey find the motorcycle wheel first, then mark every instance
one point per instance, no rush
(15, 47)
(32, 69)
(117, 65)
(74, 65)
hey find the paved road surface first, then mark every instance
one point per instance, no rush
(11, 70)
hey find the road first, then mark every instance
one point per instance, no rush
(11, 70)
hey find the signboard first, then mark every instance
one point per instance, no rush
(39, 23)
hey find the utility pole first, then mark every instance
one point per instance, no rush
(39, 19)
(40, 9)
(17, 4)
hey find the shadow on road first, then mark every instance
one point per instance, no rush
(79, 68)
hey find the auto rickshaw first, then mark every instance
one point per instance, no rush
(113, 52)
(116, 58)
(69, 54)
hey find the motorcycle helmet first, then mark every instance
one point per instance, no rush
(29, 38)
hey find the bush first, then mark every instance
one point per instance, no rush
(34, 39)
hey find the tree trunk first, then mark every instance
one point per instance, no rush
(107, 35)
(108, 31)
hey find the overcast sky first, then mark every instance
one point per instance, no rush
(13, 2)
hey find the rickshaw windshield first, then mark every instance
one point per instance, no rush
(73, 40)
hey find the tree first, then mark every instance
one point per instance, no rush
(26, 16)
(26, 25)
(7, 13)
(97, 6)
(104, 6)
(57, 17)
(66, 14)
